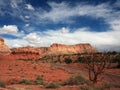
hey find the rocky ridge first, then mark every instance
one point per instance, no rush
(71, 49)
(56, 49)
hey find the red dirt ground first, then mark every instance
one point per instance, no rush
(39, 87)
(11, 69)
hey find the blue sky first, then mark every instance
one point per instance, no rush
(43, 22)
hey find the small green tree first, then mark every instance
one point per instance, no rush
(68, 60)
(80, 60)
(117, 60)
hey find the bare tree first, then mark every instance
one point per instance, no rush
(96, 64)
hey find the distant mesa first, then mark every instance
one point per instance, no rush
(54, 49)
(71, 49)
(4, 49)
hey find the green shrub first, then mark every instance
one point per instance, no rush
(2, 84)
(75, 80)
(109, 85)
(87, 87)
(25, 81)
(116, 60)
(68, 60)
(80, 60)
(52, 85)
(39, 80)
(13, 81)
(104, 86)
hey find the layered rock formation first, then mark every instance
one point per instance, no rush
(27, 50)
(4, 49)
(56, 49)
(71, 49)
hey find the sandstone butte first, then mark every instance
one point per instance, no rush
(4, 49)
(55, 49)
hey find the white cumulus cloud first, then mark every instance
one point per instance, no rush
(7, 29)
(11, 30)
(29, 7)
(16, 42)
(27, 25)
(33, 38)
(27, 17)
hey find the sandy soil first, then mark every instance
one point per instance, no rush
(12, 69)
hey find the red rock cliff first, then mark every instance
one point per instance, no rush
(4, 49)
(27, 50)
(71, 49)
(57, 49)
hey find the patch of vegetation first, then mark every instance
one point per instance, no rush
(113, 52)
(25, 81)
(79, 60)
(77, 80)
(96, 64)
(109, 85)
(105, 86)
(39, 80)
(13, 81)
(52, 85)
(2, 84)
(68, 60)
(116, 60)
